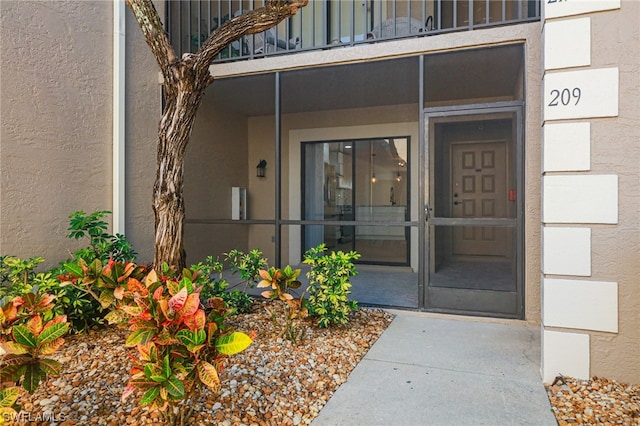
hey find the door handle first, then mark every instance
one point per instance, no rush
(455, 203)
(427, 212)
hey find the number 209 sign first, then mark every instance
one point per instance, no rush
(581, 94)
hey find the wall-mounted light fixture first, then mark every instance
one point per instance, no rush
(373, 165)
(261, 169)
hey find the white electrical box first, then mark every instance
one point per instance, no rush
(238, 203)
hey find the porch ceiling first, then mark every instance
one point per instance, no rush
(466, 74)
(474, 74)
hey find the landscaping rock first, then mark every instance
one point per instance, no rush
(595, 401)
(273, 382)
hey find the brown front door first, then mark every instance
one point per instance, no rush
(479, 190)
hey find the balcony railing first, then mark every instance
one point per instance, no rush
(326, 24)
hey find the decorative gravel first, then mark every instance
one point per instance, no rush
(595, 401)
(273, 382)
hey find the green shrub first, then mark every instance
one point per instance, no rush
(111, 286)
(18, 276)
(4, 273)
(237, 300)
(102, 245)
(329, 288)
(246, 265)
(82, 310)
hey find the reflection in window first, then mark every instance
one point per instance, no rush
(358, 180)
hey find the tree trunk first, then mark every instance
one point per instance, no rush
(168, 197)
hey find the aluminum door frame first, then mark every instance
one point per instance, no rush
(435, 301)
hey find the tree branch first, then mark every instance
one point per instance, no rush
(252, 22)
(154, 34)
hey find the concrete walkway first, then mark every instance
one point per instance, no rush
(425, 370)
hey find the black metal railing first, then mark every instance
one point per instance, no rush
(325, 24)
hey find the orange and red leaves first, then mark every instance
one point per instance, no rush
(196, 321)
(177, 302)
(191, 304)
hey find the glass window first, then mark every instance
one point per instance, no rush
(363, 181)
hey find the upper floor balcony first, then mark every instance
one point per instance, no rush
(328, 24)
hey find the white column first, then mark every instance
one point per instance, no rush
(118, 159)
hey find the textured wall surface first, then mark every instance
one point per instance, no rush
(143, 111)
(55, 137)
(615, 148)
(56, 116)
(609, 321)
(216, 161)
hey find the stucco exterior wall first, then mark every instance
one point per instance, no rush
(604, 331)
(216, 161)
(55, 122)
(56, 133)
(616, 149)
(143, 110)
(532, 167)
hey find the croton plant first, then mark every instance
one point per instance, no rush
(29, 333)
(180, 343)
(180, 347)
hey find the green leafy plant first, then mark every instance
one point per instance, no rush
(237, 300)
(180, 347)
(19, 276)
(330, 285)
(82, 309)
(26, 338)
(281, 282)
(246, 265)
(103, 246)
(107, 283)
(112, 285)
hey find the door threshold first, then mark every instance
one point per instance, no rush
(458, 317)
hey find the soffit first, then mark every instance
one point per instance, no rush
(450, 76)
